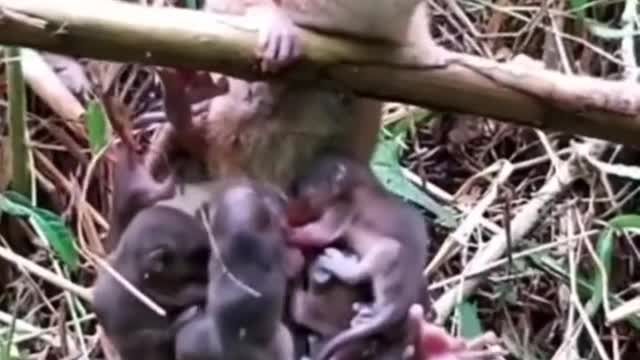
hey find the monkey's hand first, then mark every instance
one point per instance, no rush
(431, 342)
(343, 267)
(319, 275)
(139, 187)
(278, 42)
(322, 276)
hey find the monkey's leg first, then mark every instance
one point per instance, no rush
(304, 305)
(198, 339)
(333, 223)
(282, 345)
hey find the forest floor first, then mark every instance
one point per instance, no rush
(536, 227)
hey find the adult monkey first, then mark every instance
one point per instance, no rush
(269, 130)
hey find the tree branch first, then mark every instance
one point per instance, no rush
(515, 92)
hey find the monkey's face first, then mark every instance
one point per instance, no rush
(165, 251)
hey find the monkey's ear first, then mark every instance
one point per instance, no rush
(158, 260)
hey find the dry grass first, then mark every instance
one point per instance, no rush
(529, 289)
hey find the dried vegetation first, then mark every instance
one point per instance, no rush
(537, 228)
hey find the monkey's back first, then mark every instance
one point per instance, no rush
(247, 295)
(388, 215)
(248, 304)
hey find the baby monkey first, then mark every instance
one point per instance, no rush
(161, 251)
(242, 317)
(348, 204)
(326, 307)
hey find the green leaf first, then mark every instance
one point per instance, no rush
(97, 126)
(399, 128)
(605, 249)
(578, 6)
(386, 166)
(9, 350)
(191, 4)
(22, 180)
(585, 289)
(8, 347)
(50, 225)
(470, 325)
(626, 222)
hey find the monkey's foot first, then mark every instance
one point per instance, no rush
(278, 42)
(365, 314)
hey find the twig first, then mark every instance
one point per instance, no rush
(23, 326)
(214, 246)
(128, 286)
(45, 274)
(523, 222)
(463, 232)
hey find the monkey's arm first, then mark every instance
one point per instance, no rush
(332, 224)
(134, 188)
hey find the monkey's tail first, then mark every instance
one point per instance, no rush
(387, 315)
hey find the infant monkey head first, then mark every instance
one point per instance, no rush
(329, 180)
(250, 209)
(247, 280)
(165, 251)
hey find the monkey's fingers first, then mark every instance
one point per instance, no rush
(344, 268)
(436, 344)
(319, 275)
(414, 326)
(278, 42)
(482, 341)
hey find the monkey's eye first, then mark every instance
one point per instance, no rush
(200, 257)
(159, 260)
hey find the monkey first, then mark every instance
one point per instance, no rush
(246, 293)
(160, 250)
(388, 235)
(135, 187)
(400, 23)
(163, 252)
(325, 307)
(264, 129)
(314, 307)
(430, 342)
